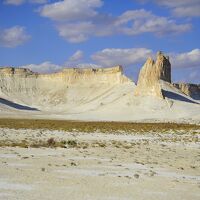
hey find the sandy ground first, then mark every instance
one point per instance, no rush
(103, 167)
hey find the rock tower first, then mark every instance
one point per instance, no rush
(151, 74)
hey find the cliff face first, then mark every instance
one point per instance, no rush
(23, 85)
(151, 74)
(112, 75)
(192, 90)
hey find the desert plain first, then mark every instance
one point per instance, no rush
(93, 134)
(104, 161)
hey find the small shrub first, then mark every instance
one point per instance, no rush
(72, 143)
(51, 142)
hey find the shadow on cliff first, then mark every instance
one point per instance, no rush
(16, 106)
(175, 96)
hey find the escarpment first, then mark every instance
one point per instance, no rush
(150, 75)
(69, 86)
(112, 75)
(98, 94)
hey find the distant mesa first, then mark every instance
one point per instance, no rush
(72, 88)
(110, 75)
(99, 94)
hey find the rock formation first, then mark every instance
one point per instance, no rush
(151, 74)
(192, 90)
(71, 75)
(71, 85)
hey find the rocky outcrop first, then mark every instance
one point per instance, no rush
(71, 85)
(151, 74)
(11, 71)
(112, 75)
(192, 90)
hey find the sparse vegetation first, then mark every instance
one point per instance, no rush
(103, 127)
(72, 143)
(175, 130)
(50, 143)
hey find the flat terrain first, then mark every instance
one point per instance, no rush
(101, 160)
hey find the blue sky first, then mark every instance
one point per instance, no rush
(47, 35)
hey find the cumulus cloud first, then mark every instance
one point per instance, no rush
(49, 67)
(143, 21)
(125, 57)
(71, 9)
(13, 36)
(77, 21)
(19, 2)
(77, 56)
(186, 60)
(45, 67)
(88, 65)
(75, 59)
(183, 8)
(75, 32)
(133, 22)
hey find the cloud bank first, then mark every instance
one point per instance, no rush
(77, 21)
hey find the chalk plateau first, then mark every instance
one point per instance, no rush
(103, 94)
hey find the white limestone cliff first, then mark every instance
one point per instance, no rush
(150, 75)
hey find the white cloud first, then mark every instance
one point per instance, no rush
(77, 21)
(75, 59)
(45, 67)
(19, 2)
(48, 67)
(188, 11)
(187, 8)
(181, 8)
(186, 60)
(71, 9)
(13, 36)
(111, 57)
(88, 65)
(133, 22)
(127, 57)
(75, 32)
(77, 56)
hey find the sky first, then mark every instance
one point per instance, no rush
(48, 35)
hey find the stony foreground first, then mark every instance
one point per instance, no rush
(106, 166)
